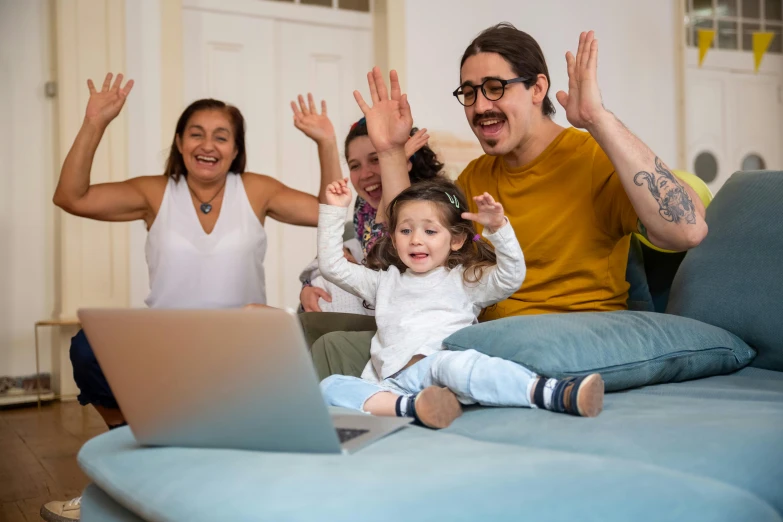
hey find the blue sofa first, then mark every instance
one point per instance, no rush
(707, 449)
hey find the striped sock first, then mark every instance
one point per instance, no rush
(404, 406)
(542, 393)
(582, 395)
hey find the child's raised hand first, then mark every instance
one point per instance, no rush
(490, 213)
(338, 193)
(416, 142)
(389, 119)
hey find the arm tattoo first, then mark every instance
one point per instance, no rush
(675, 204)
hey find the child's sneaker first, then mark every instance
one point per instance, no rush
(589, 395)
(583, 396)
(436, 407)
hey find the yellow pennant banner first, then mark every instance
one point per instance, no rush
(705, 38)
(761, 43)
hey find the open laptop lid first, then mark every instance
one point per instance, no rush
(212, 378)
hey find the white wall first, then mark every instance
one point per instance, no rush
(26, 183)
(636, 57)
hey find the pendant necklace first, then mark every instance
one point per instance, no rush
(206, 206)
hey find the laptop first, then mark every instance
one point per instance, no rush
(232, 379)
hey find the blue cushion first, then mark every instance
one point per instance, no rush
(706, 450)
(629, 349)
(734, 279)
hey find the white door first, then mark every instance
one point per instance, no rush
(733, 122)
(331, 63)
(27, 177)
(260, 64)
(754, 122)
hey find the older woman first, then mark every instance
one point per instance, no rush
(204, 215)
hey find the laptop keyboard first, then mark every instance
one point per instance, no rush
(346, 434)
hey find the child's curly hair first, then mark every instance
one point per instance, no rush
(474, 255)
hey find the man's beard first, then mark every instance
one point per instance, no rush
(487, 116)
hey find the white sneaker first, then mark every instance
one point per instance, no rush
(62, 511)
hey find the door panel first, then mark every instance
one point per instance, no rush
(732, 115)
(331, 63)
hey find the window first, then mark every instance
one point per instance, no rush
(753, 162)
(734, 21)
(706, 166)
(350, 5)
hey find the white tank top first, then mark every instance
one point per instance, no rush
(192, 269)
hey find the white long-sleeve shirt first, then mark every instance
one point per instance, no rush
(416, 312)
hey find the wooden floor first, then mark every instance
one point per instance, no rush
(38, 456)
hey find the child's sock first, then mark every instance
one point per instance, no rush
(433, 407)
(582, 396)
(541, 396)
(405, 406)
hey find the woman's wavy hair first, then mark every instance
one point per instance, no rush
(475, 255)
(175, 164)
(425, 164)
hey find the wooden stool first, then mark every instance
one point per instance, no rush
(47, 322)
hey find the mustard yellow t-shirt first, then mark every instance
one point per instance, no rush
(573, 220)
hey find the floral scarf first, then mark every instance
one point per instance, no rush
(367, 231)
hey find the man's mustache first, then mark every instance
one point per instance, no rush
(488, 116)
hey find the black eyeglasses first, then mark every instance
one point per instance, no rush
(492, 88)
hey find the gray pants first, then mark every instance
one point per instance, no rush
(340, 343)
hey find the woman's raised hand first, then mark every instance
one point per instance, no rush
(315, 126)
(106, 104)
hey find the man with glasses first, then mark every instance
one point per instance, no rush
(573, 197)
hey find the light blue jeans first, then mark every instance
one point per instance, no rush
(473, 377)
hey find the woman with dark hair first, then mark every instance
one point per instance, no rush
(205, 216)
(365, 176)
